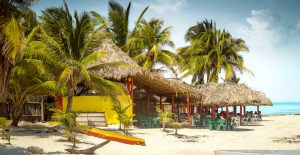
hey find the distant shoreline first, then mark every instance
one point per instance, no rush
(268, 115)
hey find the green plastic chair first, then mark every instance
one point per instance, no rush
(221, 124)
(155, 122)
(143, 122)
(211, 125)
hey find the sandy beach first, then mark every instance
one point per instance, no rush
(191, 141)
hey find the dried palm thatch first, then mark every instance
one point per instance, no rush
(116, 55)
(259, 98)
(232, 94)
(222, 94)
(143, 78)
(162, 86)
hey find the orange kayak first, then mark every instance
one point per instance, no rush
(108, 135)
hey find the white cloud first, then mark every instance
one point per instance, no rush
(162, 6)
(272, 60)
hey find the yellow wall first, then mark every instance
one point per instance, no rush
(98, 104)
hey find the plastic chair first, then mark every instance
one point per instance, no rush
(221, 124)
(211, 125)
(155, 122)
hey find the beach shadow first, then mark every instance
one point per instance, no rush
(11, 150)
(35, 134)
(185, 138)
(77, 142)
(254, 125)
(57, 152)
(241, 129)
(267, 120)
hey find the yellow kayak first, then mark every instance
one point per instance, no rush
(108, 135)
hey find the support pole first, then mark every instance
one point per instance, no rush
(201, 109)
(42, 109)
(257, 109)
(132, 93)
(61, 103)
(245, 112)
(188, 111)
(148, 103)
(241, 115)
(234, 110)
(173, 99)
(160, 103)
(227, 112)
(212, 110)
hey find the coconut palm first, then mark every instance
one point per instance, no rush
(150, 40)
(164, 117)
(72, 46)
(210, 51)
(11, 39)
(119, 22)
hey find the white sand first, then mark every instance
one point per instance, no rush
(197, 141)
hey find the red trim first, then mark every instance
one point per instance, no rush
(61, 103)
(132, 142)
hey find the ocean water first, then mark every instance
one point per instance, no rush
(277, 108)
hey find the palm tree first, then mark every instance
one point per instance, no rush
(210, 51)
(150, 40)
(11, 38)
(119, 22)
(71, 44)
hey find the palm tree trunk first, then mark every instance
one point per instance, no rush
(70, 100)
(15, 115)
(5, 70)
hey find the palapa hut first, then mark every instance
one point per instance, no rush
(133, 76)
(231, 94)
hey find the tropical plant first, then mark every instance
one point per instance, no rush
(211, 51)
(11, 38)
(121, 112)
(164, 117)
(177, 125)
(127, 122)
(68, 120)
(71, 44)
(149, 40)
(4, 124)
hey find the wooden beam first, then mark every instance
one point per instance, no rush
(188, 109)
(173, 100)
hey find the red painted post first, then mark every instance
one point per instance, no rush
(212, 110)
(61, 103)
(234, 110)
(227, 112)
(245, 112)
(188, 109)
(241, 111)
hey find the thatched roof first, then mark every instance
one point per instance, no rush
(233, 94)
(222, 94)
(259, 98)
(162, 86)
(115, 54)
(143, 78)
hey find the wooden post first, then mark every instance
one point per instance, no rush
(188, 109)
(160, 103)
(241, 116)
(61, 103)
(128, 86)
(245, 112)
(257, 109)
(201, 110)
(132, 88)
(173, 100)
(227, 112)
(212, 110)
(42, 109)
(148, 103)
(234, 110)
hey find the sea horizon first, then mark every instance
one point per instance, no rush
(278, 108)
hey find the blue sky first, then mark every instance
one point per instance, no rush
(271, 29)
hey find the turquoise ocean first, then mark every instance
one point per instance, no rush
(277, 108)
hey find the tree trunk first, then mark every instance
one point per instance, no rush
(89, 150)
(5, 70)
(16, 116)
(70, 100)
